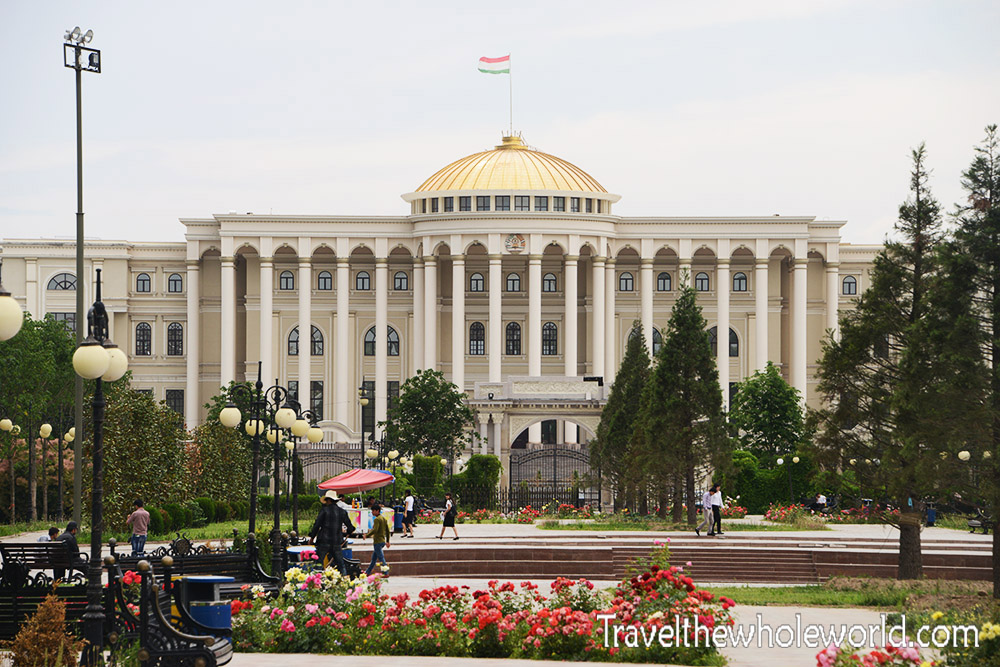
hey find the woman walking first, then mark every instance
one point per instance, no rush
(449, 517)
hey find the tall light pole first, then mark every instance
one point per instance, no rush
(97, 358)
(73, 57)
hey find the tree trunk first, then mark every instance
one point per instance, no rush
(910, 559)
(644, 501)
(662, 499)
(676, 512)
(689, 492)
(32, 477)
(13, 483)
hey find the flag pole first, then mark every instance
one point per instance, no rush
(510, 95)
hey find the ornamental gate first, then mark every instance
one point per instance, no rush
(321, 466)
(553, 473)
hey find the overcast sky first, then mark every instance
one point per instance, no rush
(730, 107)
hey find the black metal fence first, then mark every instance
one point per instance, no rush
(322, 465)
(553, 473)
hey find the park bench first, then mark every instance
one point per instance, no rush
(981, 520)
(25, 582)
(164, 630)
(188, 559)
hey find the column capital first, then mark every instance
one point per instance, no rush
(430, 259)
(762, 261)
(266, 261)
(572, 258)
(535, 258)
(599, 259)
(193, 264)
(610, 262)
(458, 258)
(381, 260)
(305, 261)
(343, 261)
(722, 263)
(799, 262)
(496, 258)
(228, 259)
(418, 262)
(646, 262)
(832, 267)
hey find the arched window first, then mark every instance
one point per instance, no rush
(476, 283)
(392, 343)
(657, 338)
(324, 281)
(477, 339)
(513, 284)
(362, 281)
(513, 339)
(734, 342)
(549, 282)
(175, 284)
(316, 344)
(850, 285)
(663, 282)
(286, 281)
(701, 282)
(62, 282)
(143, 283)
(626, 283)
(143, 340)
(400, 281)
(550, 339)
(739, 282)
(175, 339)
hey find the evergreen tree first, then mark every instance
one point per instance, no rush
(894, 378)
(613, 451)
(682, 424)
(978, 239)
(768, 413)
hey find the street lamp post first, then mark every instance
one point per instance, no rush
(363, 402)
(304, 426)
(73, 57)
(97, 358)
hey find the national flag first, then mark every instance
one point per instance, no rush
(499, 65)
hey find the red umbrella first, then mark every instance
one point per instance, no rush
(358, 480)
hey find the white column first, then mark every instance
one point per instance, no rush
(495, 437)
(798, 374)
(646, 300)
(534, 332)
(417, 338)
(192, 402)
(430, 312)
(484, 427)
(760, 285)
(722, 300)
(494, 334)
(227, 347)
(458, 321)
(610, 339)
(832, 297)
(381, 340)
(266, 314)
(305, 327)
(345, 395)
(597, 319)
(571, 316)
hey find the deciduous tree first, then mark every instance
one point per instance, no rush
(430, 417)
(768, 414)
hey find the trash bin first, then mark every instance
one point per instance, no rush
(931, 516)
(201, 595)
(397, 519)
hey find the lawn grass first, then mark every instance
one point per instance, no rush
(7, 529)
(222, 530)
(733, 527)
(857, 592)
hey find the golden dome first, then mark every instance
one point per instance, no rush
(511, 166)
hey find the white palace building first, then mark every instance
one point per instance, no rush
(509, 272)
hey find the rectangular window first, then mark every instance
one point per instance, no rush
(522, 203)
(368, 411)
(465, 203)
(391, 393)
(175, 400)
(293, 390)
(590, 205)
(449, 204)
(68, 320)
(434, 205)
(316, 398)
(599, 206)
(503, 202)
(549, 432)
(558, 203)
(574, 204)
(541, 203)
(482, 202)
(423, 205)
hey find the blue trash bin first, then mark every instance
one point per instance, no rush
(931, 516)
(397, 519)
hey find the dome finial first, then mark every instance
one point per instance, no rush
(512, 141)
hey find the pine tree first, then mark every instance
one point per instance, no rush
(682, 424)
(613, 451)
(978, 238)
(895, 377)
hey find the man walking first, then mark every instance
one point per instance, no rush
(328, 532)
(706, 513)
(380, 538)
(139, 520)
(410, 515)
(717, 509)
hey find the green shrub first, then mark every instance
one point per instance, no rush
(196, 516)
(264, 504)
(427, 471)
(177, 518)
(167, 520)
(207, 506)
(241, 510)
(155, 521)
(223, 511)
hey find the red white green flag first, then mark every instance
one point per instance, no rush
(499, 65)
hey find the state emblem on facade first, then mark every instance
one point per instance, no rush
(515, 243)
